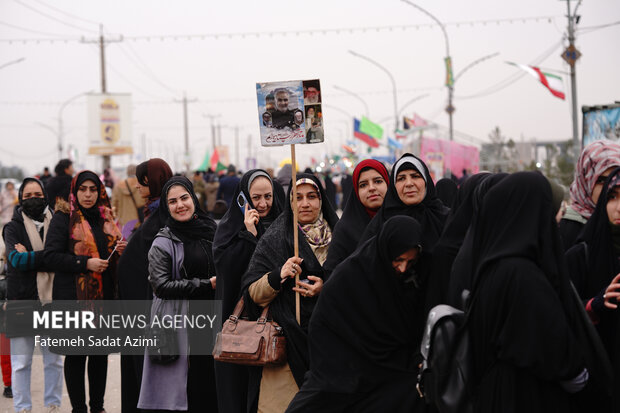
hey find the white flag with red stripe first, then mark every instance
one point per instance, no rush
(552, 82)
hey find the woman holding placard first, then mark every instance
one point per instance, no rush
(270, 281)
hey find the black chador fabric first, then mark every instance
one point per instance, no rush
(349, 230)
(523, 323)
(454, 279)
(272, 251)
(593, 263)
(233, 247)
(366, 330)
(446, 191)
(430, 213)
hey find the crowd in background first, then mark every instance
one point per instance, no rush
(536, 267)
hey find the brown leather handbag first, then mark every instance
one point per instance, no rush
(251, 343)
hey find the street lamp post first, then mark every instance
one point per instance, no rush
(60, 123)
(355, 95)
(391, 79)
(449, 79)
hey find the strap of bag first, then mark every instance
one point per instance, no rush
(236, 314)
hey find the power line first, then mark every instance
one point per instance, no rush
(64, 12)
(145, 68)
(590, 29)
(51, 17)
(327, 31)
(33, 31)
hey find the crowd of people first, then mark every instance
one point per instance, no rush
(545, 278)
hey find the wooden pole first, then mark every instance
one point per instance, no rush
(295, 231)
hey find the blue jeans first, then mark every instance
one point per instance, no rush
(22, 349)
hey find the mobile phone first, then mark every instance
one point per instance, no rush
(306, 281)
(242, 201)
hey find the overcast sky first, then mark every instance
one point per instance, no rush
(220, 73)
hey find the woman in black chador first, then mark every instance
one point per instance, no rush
(133, 268)
(452, 254)
(270, 280)
(370, 183)
(594, 264)
(235, 240)
(411, 192)
(523, 324)
(366, 329)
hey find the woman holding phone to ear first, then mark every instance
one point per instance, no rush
(256, 204)
(79, 246)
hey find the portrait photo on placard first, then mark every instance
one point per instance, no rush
(314, 124)
(281, 113)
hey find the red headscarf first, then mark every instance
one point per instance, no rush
(377, 166)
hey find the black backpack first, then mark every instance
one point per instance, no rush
(446, 374)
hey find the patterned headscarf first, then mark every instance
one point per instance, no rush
(317, 233)
(593, 161)
(89, 285)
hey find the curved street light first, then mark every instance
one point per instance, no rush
(449, 82)
(355, 95)
(391, 79)
(12, 62)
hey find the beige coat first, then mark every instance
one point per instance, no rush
(122, 204)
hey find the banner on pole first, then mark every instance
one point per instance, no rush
(109, 124)
(290, 112)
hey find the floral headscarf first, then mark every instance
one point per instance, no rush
(593, 161)
(89, 285)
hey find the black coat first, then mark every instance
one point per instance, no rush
(67, 265)
(21, 284)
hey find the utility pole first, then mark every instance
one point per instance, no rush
(101, 41)
(570, 55)
(187, 157)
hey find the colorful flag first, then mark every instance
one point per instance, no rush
(369, 140)
(394, 143)
(215, 159)
(205, 162)
(550, 81)
(414, 122)
(371, 129)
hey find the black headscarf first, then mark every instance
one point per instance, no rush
(272, 251)
(233, 221)
(430, 213)
(353, 221)
(368, 323)
(446, 191)
(33, 207)
(200, 226)
(91, 214)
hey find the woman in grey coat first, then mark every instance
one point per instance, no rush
(180, 270)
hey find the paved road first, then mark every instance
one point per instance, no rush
(112, 394)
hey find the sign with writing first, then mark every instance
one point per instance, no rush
(109, 124)
(290, 112)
